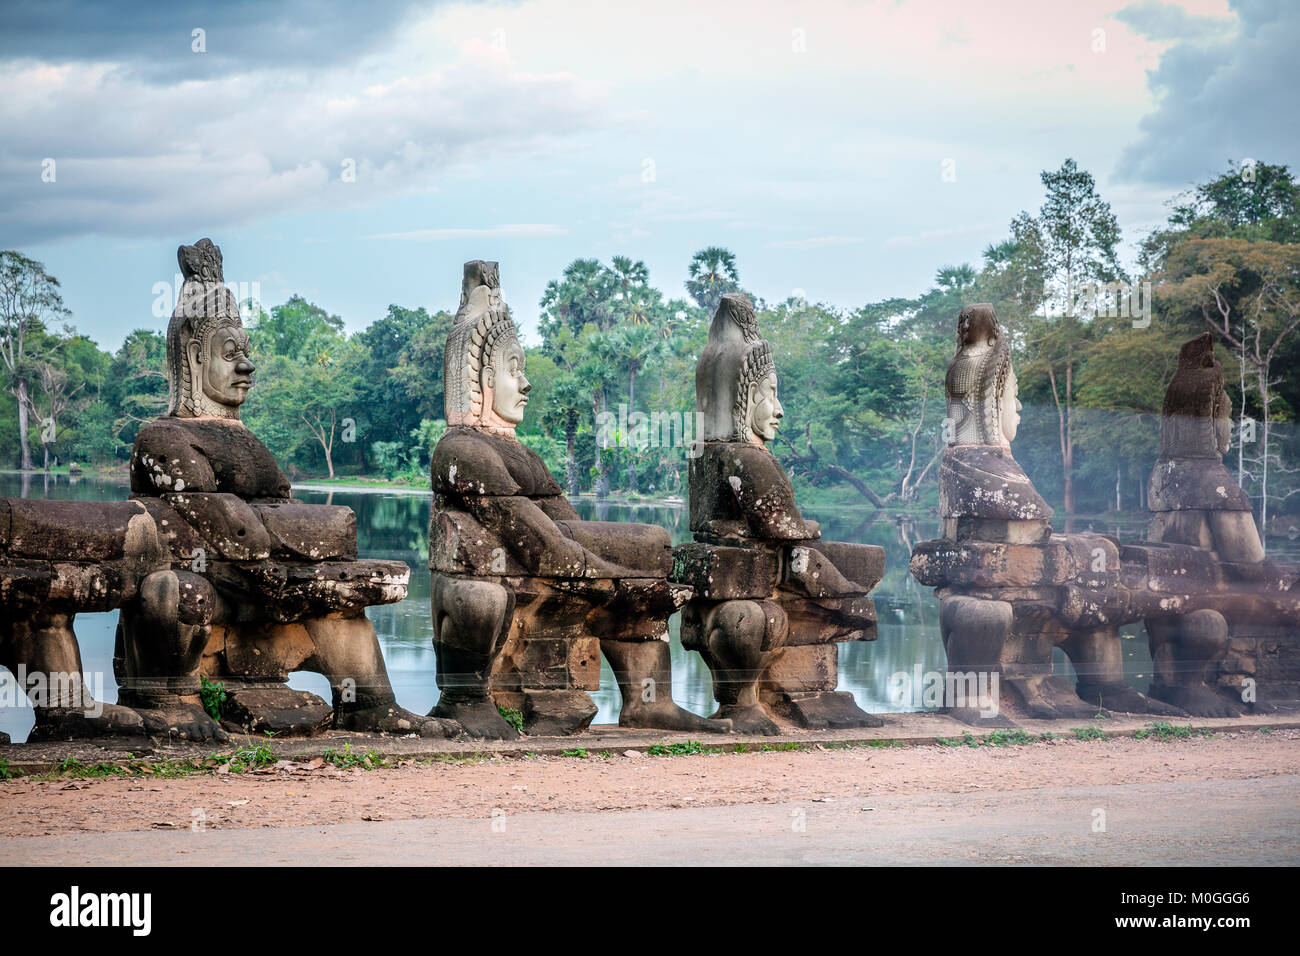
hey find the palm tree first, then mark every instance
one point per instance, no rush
(567, 400)
(712, 275)
(636, 344)
(597, 372)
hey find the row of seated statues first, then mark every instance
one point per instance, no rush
(1011, 591)
(220, 574)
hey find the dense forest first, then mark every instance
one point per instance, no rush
(613, 373)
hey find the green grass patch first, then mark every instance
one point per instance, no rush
(1091, 732)
(681, 750)
(579, 752)
(1163, 730)
(965, 740)
(346, 758)
(1009, 738)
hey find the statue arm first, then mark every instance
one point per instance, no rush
(558, 508)
(529, 533)
(766, 500)
(166, 464)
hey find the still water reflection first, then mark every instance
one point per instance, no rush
(395, 526)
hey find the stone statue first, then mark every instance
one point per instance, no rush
(258, 585)
(1197, 503)
(1010, 590)
(771, 598)
(982, 489)
(58, 559)
(526, 596)
(1195, 500)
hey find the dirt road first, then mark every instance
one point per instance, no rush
(1232, 798)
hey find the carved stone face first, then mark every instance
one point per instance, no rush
(222, 370)
(505, 379)
(1010, 407)
(765, 411)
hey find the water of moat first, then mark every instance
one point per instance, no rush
(395, 526)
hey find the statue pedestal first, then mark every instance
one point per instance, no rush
(766, 618)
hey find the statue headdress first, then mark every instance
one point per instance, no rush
(1195, 421)
(735, 357)
(481, 327)
(204, 304)
(975, 383)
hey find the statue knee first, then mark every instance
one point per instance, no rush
(470, 614)
(738, 628)
(1201, 635)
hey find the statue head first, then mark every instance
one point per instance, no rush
(1196, 420)
(209, 371)
(981, 384)
(735, 379)
(483, 365)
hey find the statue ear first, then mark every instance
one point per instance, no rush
(195, 352)
(489, 376)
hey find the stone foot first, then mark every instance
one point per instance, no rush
(1124, 699)
(477, 718)
(821, 710)
(1052, 698)
(186, 721)
(67, 723)
(1199, 700)
(666, 715)
(391, 719)
(557, 713)
(748, 719)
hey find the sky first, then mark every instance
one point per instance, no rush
(358, 153)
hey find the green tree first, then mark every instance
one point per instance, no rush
(289, 328)
(1075, 236)
(712, 274)
(29, 298)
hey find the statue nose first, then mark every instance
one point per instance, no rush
(245, 367)
(525, 386)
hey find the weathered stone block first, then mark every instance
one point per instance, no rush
(1095, 558)
(310, 532)
(79, 530)
(719, 573)
(639, 547)
(986, 564)
(253, 709)
(810, 667)
(1004, 530)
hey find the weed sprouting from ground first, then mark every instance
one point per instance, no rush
(1163, 730)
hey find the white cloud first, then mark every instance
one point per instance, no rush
(133, 158)
(522, 230)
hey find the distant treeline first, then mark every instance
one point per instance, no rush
(1094, 348)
